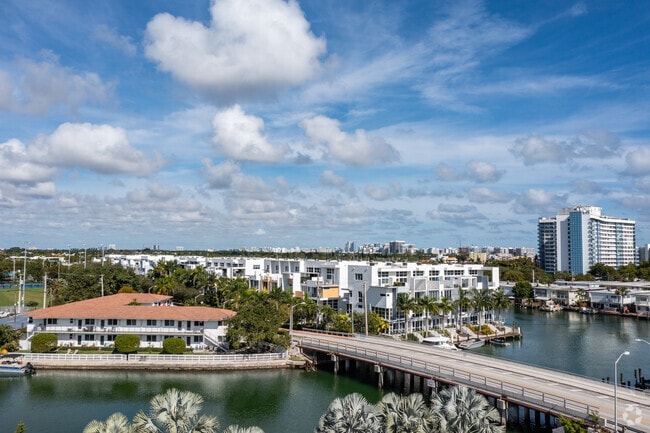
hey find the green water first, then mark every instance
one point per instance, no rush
(275, 400)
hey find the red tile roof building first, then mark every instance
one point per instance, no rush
(96, 322)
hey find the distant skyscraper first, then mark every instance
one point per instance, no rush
(349, 247)
(578, 238)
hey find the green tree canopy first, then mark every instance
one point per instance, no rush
(9, 338)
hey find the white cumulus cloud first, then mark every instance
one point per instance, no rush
(16, 166)
(35, 88)
(100, 148)
(240, 136)
(250, 47)
(357, 149)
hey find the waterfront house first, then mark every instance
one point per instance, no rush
(96, 322)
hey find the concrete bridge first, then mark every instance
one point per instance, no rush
(508, 383)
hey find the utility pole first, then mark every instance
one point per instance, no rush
(22, 294)
(101, 283)
(44, 289)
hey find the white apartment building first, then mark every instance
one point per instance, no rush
(376, 286)
(578, 238)
(96, 322)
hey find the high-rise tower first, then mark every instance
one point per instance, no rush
(579, 237)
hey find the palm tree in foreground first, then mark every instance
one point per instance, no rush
(116, 423)
(175, 412)
(350, 414)
(405, 414)
(237, 429)
(461, 410)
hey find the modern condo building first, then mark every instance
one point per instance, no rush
(579, 237)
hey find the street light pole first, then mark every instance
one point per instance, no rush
(642, 341)
(616, 390)
(291, 318)
(365, 305)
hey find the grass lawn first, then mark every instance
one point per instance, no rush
(9, 296)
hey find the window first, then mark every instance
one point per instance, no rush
(256, 266)
(198, 323)
(151, 338)
(110, 337)
(170, 323)
(89, 337)
(90, 321)
(152, 322)
(197, 338)
(130, 322)
(51, 321)
(360, 296)
(112, 322)
(358, 277)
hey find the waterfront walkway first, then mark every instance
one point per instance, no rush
(558, 392)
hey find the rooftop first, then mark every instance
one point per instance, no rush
(121, 306)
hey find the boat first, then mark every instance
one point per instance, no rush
(499, 342)
(471, 344)
(439, 342)
(13, 365)
(550, 306)
(585, 310)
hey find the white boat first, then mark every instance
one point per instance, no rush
(13, 365)
(439, 342)
(550, 307)
(471, 344)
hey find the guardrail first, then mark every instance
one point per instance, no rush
(453, 375)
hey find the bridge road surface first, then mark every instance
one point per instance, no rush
(577, 393)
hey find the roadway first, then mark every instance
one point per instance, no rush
(564, 392)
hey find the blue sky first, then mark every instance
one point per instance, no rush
(233, 123)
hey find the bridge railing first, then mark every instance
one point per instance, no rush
(474, 380)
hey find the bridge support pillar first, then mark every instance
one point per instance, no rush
(407, 383)
(502, 406)
(335, 359)
(516, 413)
(380, 376)
(538, 419)
(526, 416)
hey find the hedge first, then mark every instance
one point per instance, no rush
(173, 346)
(44, 342)
(127, 343)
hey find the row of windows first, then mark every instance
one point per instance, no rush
(129, 322)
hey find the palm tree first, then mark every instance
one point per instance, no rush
(405, 414)
(481, 301)
(461, 410)
(116, 423)
(462, 304)
(430, 307)
(405, 304)
(499, 301)
(238, 429)
(621, 292)
(446, 306)
(175, 412)
(581, 297)
(350, 414)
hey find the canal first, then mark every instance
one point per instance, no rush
(293, 400)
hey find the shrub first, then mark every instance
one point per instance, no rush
(42, 343)
(127, 343)
(173, 346)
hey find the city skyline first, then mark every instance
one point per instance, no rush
(231, 124)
